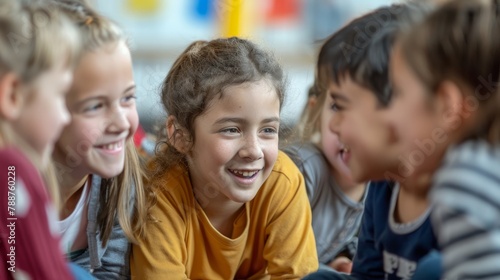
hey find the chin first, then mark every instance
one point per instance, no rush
(243, 197)
(109, 172)
(357, 173)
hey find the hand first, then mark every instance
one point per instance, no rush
(341, 264)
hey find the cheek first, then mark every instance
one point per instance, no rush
(81, 135)
(212, 151)
(272, 151)
(363, 136)
(348, 129)
(329, 144)
(325, 114)
(133, 119)
(412, 124)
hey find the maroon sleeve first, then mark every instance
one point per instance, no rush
(29, 242)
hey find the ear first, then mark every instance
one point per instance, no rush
(311, 102)
(12, 98)
(177, 136)
(450, 104)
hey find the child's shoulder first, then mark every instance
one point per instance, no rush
(284, 185)
(475, 152)
(284, 176)
(305, 154)
(302, 151)
(13, 157)
(173, 185)
(469, 161)
(17, 168)
(466, 166)
(284, 165)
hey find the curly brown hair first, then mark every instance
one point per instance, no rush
(200, 74)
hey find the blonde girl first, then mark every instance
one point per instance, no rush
(96, 162)
(35, 75)
(229, 205)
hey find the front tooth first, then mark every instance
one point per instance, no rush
(246, 174)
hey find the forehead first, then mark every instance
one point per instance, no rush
(395, 60)
(106, 70)
(352, 92)
(238, 98)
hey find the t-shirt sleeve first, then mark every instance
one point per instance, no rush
(309, 164)
(29, 239)
(290, 248)
(162, 253)
(466, 200)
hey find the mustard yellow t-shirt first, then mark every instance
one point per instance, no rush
(276, 240)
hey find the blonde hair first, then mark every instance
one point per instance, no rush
(27, 49)
(97, 32)
(460, 43)
(309, 125)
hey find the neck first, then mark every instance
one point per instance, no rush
(411, 204)
(346, 184)
(221, 211)
(216, 205)
(70, 187)
(355, 191)
(417, 186)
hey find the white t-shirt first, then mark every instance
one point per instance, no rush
(72, 228)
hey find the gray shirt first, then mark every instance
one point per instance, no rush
(112, 261)
(335, 217)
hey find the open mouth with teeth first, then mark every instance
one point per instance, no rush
(112, 147)
(246, 174)
(345, 153)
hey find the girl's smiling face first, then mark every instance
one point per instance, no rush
(236, 142)
(104, 116)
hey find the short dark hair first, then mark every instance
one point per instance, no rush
(361, 49)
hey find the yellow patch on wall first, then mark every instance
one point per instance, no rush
(143, 6)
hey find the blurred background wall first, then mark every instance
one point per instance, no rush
(159, 30)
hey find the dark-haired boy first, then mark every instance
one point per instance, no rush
(396, 231)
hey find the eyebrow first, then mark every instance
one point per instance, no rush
(242, 121)
(104, 96)
(339, 96)
(129, 88)
(97, 97)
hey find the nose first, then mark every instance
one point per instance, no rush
(251, 149)
(334, 123)
(65, 116)
(118, 121)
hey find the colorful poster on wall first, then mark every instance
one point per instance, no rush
(143, 7)
(203, 9)
(283, 11)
